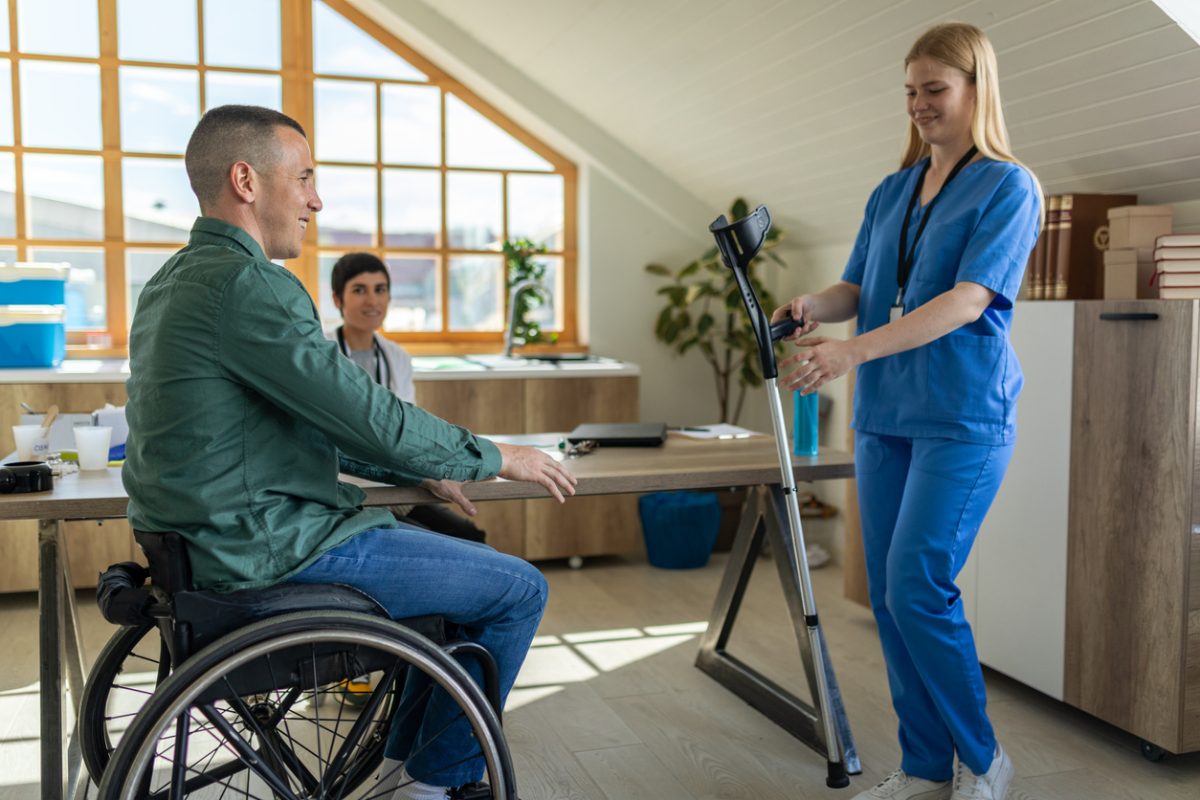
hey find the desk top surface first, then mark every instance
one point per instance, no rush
(681, 463)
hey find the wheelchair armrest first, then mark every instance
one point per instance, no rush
(170, 568)
(122, 597)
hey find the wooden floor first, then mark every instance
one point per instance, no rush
(609, 706)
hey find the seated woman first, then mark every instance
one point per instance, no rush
(362, 290)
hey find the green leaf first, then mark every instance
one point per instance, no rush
(738, 210)
(704, 323)
(690, 269)
(658, 269)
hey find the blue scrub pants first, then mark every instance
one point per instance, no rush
(922, 502)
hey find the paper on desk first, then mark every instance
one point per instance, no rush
(719, 430)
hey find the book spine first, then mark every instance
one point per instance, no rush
(1046, 259)
(1062, 250)
(1031, 266)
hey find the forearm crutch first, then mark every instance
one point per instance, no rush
(738, 243)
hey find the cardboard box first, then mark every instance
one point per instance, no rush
(1128, 272)
(1137, 226)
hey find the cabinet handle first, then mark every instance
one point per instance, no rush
(1123, 316)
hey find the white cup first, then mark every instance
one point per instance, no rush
(91, 442)
(31, 442)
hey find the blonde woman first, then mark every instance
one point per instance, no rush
(932, 279)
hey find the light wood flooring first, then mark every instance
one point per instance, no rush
(609, 706)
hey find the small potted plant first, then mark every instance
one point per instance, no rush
(524, 276)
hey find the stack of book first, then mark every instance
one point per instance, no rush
(1067, 263)
(1129, 260)
(1177, 266)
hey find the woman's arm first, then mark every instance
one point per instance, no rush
(822, 360)
(838, 303)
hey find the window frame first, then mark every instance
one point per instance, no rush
(297, 79)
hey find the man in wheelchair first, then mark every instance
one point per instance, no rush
(241, 414)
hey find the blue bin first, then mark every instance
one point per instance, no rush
(32, 336)
(33, 284)
(680, 528)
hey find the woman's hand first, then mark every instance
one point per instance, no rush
(519, 463)
(802, 307)
(819, 361)
(451, 492)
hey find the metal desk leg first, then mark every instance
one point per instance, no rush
(62, 774)
(762, 516)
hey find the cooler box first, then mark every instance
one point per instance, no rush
(33, 284)
(32, 336)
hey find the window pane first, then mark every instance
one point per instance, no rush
(8, 255)
(223, 22)
(159, 108)
(474, 210)
(41, 28)
(5, 39)
(157, 30)
(548, 311)
(6, 119)
(140, 266)
(159, 203)
(8, 195)
(60, 104)
(412, 125)
(476, 293)
(535, 209)
(415, 294)
(342, 48)
(349, 217)
(86, 298)
(345, 113)
(226, 88)
(330, 316)
(473, 140)
(64, 196)
(412, 207)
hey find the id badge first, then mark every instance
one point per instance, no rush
(897, 313)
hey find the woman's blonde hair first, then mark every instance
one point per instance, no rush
(966, 48)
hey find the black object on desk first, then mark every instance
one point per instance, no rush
(18, 477)
(621, 434)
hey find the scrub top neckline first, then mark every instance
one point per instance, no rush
(977, 160)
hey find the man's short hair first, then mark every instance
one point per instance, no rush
(227, 134)
(352, 265)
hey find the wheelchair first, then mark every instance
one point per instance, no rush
(248, 693)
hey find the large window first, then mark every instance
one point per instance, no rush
(95, 115)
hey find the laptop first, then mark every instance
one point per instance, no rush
(621, 434)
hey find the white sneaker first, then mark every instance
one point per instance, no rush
(992, 785)
(902, 786)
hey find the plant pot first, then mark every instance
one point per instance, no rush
(679, 527)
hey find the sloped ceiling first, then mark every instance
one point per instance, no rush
(799, 103)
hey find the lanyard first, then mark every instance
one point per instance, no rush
(906, 257)
(380, 361)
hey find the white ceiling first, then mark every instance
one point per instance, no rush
(799, 103)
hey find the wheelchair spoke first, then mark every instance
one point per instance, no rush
(246, 753)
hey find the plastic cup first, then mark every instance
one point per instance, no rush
(91, 442)
(31, 442)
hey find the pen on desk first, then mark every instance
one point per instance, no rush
(696, 430)
(734, 436)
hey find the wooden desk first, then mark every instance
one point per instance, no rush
(682, 463)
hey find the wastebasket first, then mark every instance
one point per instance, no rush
(680, 528)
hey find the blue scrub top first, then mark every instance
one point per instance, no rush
(963, 385)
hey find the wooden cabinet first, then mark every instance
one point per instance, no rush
(541, 529)
(1133, 572)
(533, 529)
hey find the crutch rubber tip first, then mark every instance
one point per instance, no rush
(837, 778)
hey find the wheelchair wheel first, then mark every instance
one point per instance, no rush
(131, 664)
(262, 713)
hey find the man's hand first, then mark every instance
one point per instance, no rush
(530, 464)
(451, 492)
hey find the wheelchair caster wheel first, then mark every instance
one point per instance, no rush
(575, 562)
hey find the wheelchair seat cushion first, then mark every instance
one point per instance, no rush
(210, 615)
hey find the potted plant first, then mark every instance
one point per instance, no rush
(704, 312)
(524, 270)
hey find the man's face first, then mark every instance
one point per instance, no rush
(288, 196)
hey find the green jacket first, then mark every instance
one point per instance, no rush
(241, 414)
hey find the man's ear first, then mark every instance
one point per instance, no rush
(244, 181)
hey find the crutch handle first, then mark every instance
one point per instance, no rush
(784, 328)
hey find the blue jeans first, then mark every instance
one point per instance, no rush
(922, 502)
(493, 599)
